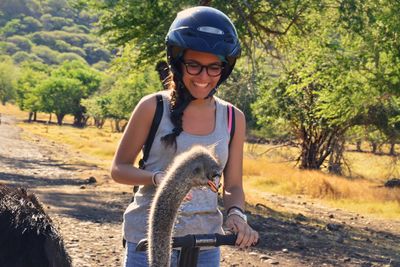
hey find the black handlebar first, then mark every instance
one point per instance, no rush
(192, 241)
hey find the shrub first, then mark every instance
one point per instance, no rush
(23, 43)
(22, 56)
(48, 55)
(8, 48)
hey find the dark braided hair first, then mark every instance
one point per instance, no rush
(180, 99)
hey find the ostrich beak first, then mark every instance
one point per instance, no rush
(212, 184)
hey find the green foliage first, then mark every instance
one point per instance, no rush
(101, 66)
(13, 8)
(127, 91)
(123, 94)
(51, 23)
(96, 53)
(31, 24)
(21, 26)
(59, 95)
(63, 57)
(239, 90)
(46, 54)
(32, 75)
(11, 28)
(8, 48)
(21, 42)
(22, 56)
(50, 38)
(8, 76)
(76, 29)
(89, 78)
(97, 108)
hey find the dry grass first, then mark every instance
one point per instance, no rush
(357, 195)
(273, 171)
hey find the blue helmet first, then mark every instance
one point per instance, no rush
(204, 29)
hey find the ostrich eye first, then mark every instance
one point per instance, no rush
(196, 170)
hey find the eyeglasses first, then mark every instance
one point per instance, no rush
(194, 68)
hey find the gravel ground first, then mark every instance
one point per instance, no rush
(89, 215)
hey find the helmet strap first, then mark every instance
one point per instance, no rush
(212, 92)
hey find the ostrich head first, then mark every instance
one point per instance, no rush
(204, 168)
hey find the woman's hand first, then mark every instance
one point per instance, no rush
(246, 236)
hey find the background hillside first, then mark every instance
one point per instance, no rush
(51, 32)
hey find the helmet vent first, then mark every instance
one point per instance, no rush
(211, 30)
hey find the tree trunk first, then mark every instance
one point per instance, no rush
(49, 121)
(60, 118)
(117, 127)
(99, 122)
(358, 146)
(374, 147)
(30, 116)
(392, 151)
(336, 157)
(317, 144)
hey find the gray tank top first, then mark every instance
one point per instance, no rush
(198, 216)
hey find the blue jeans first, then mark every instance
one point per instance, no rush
(207, 258)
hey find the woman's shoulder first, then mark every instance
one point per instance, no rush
(149, 101)
(226, 104)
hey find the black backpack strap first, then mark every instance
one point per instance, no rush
(150, 138)
(154, 127)
(231, 121)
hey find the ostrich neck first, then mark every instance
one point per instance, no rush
(162, 218)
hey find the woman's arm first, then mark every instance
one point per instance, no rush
(132, 141)
(233, 185)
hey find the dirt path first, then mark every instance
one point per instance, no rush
(89, 215)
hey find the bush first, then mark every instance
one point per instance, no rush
(48, 55)
(11, 28)
(51, 23)
(21, 26)
(76, 29)
(22, 56)
(69, 57)
(62, 46)
(101, 65)
(31, 24)
(44, 38)
(96, 53)
(8, 48)
(23, 43)
(77, 50)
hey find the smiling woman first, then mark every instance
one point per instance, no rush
(201, 73)
(202, 48)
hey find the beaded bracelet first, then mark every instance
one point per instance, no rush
(153, 177)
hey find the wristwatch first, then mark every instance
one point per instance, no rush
(239, 213)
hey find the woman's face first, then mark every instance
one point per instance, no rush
(201, 84)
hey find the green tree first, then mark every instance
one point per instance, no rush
(48, 55)
(90, 80)
(23, 43)
(32, 74)
(8, 76)
(97, 108)
(59, 95)
(126, 93)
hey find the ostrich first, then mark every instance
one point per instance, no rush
(28, 237)
(196, 167)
